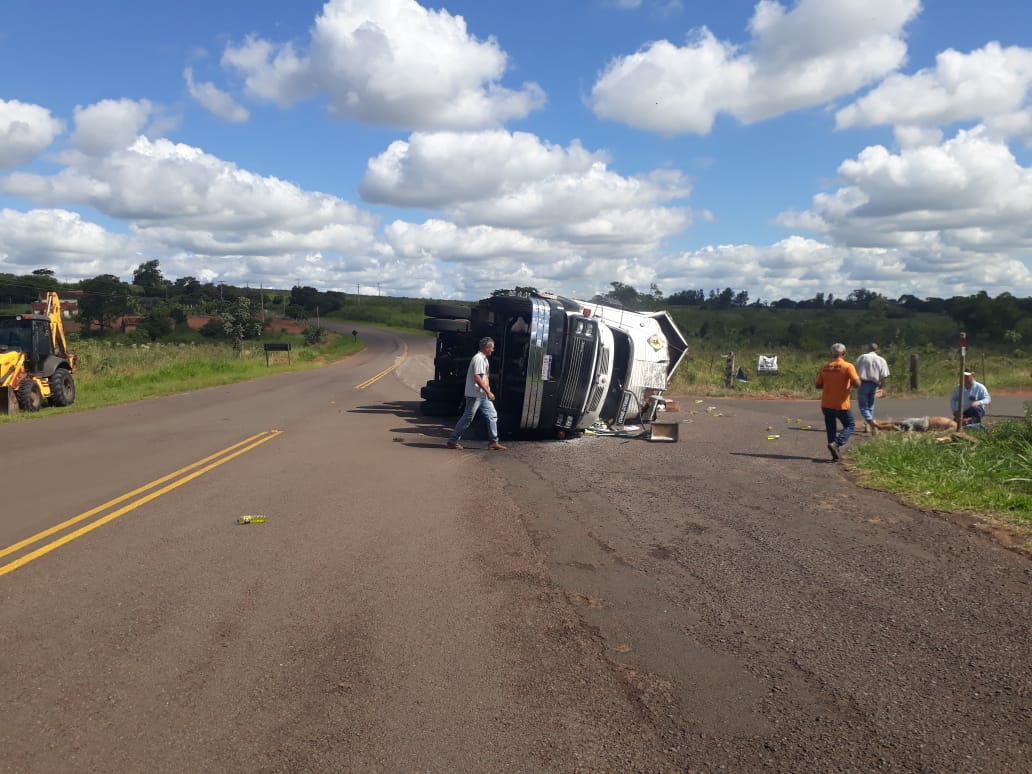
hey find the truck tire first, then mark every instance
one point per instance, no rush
(448, 311)
(30, 397)
(437, 408)
(442, 393)
(445, 326)
(62, 388)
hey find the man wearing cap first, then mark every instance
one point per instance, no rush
(835, 380)
(873, 371)
(972, 400)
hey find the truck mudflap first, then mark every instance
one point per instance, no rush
(8, 401)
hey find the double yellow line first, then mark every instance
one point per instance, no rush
(384, 372)
(178, 478)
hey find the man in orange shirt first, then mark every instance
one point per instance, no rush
(836, 379)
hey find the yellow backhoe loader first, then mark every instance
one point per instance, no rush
(35, 364)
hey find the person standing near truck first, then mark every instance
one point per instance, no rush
(478, 397)
(873, 371)
(836, 379)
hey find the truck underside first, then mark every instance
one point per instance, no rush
(560, 366)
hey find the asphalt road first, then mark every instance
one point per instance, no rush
(725, 602)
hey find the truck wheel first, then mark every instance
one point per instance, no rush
(445, 326)
(62, 388)
(448, 311)
(441, 393)
(437, 408)
(30, 398)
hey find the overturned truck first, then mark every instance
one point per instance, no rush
(560, 366)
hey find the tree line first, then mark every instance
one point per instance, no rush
(978, 314)
(161, 301)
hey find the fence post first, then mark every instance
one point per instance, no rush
(960, 395)
(729, 371)
(913, 372)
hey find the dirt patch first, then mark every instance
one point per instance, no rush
(276, 324)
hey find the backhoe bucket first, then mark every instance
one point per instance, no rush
(663, 431)
(8, 401)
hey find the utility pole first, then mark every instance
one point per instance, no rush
(261, 290)
(358, 292)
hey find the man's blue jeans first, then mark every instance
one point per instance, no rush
(833, 416)
(473, 405)
(865, 399)
(975, 414)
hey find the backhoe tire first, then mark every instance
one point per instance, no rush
(448, 311)
(62, 388)
(30, 397)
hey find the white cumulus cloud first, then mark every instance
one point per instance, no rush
(990, 82)
(25, 132)
(214, 100)
(815, 52)
(516, 181)
(62, 240)
(964, 207)
(391, 63)
(109, 125)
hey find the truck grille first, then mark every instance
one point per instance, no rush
(580, 374)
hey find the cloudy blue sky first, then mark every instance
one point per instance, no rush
(445, 149)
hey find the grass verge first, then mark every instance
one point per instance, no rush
(111, 373)
(992, 477)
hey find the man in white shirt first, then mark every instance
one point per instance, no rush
(873, 371)
(478, 398)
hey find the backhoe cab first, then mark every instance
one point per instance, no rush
(35, 364)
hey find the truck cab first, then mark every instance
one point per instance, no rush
(648, 348)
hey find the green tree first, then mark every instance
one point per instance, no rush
(156, 323)
(687, 298)
(622, 295)
(239, 323)
(518, 290)
(105, 299)
(187, 289)
(726, 299)
(149, 277)
(304, 296)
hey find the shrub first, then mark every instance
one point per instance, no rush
(312, 335)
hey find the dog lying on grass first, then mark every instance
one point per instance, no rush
(917, 424)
